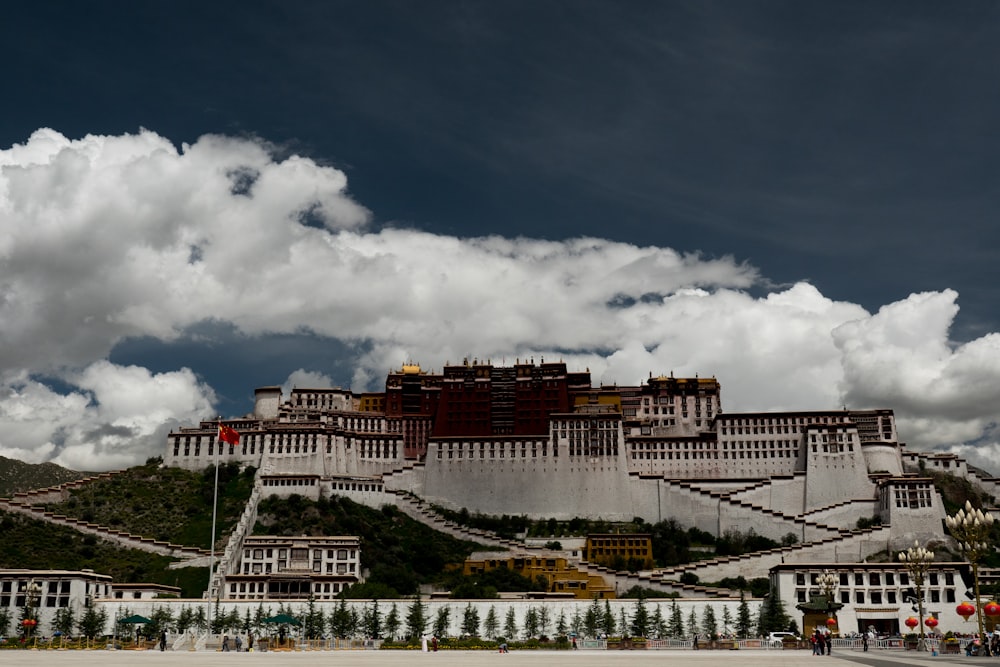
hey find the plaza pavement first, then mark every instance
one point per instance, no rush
(743, 658)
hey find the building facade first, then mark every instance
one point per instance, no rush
(281, 568)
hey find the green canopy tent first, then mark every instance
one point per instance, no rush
(133, 619)
(285, 619)
(279, 621)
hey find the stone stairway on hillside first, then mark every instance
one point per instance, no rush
(857, 543)
(418, 510)
(24, 504)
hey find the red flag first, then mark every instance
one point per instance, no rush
(227, 434)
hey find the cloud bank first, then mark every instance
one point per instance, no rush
(112, 237)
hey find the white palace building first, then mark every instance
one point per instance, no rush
(539, 440)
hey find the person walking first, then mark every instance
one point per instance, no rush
(163, 640)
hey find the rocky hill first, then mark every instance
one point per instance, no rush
(20, 476)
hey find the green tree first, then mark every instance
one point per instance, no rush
(727, 619)
(442, 621)
(200, 618)
(185, 619)
(259, 615)
(340, 620)
(692, 623)
(562, 627)
(709, 625)
(744, 626)
(531, 623)
(592, 619)
(372, 621)
(354, 625)
(576, 624)
(392, 622)
(544, 620)
(608, 620)
(676, 626)
(470, 621)
(772, 617)
(491, 625)
(510, 625)
(64, 622)
(659, 624)
(314, 622)
(640, 618)
(416, 619)
(92, 622)
(162, 620)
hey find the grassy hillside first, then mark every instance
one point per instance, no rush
(398, 552)
(20, 476)
(168, 504)
(29, 543)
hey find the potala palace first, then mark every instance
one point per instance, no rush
(538, 440)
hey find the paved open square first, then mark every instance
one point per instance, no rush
(745, 658)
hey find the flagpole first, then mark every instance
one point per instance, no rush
(215, 504)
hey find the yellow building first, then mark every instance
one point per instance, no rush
(620, 550)
(560, 575)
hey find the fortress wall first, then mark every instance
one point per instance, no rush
(744, 519)
(560, 487)
(368, 494)
(658, 500)
(848, 549)
(783, 494)
(788, 493)
(836, 476)
(845, 515)
(916, 523)
(883, 457)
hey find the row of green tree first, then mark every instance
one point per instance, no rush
(394, 621)
(89, 624)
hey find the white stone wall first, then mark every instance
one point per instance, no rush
(456, 608)
(558, 486)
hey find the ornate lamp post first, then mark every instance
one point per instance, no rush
(917, 561)
(971, 528)
(32, 597)
(828, 584)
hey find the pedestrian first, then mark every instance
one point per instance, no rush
(250, 642)
(864, 641)
(434, 643)
(225, 643)
(238, 642)
(695, 645)
(163, 640)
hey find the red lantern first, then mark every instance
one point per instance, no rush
(831, 621)
(911, 622)
(991, 609)
(965, 610)
(931, 622)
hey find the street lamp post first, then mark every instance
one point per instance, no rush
(32, 597)
(971, 528)
(828, 583)
(917, 561)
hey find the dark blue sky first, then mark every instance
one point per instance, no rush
(851, 144)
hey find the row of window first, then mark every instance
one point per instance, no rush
(299, 553)
(879, 597)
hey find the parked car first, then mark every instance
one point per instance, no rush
(777, 638)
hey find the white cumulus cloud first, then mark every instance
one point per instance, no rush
(112, 237)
